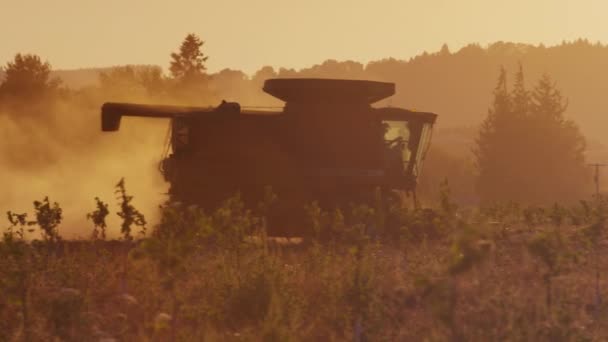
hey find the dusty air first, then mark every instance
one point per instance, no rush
(312, 171)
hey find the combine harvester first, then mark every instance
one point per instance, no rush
(328, 144)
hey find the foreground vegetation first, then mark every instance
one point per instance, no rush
(371, 273)
(376, 272)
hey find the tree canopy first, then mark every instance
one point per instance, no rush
(527, 151)
(132, 82)
(27, 76)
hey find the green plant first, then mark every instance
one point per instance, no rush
(558, 214)
(593, 234)
(98, 217)
(548, 247)
(441, 299)
(20, 221)
(447, 205)
(64, 309)
(217, 276)
(361, 290)
(128, 213)
(232, 223)
(16, 273)
(468, 249)
(533, 216)
(48, 217)
(169, 246)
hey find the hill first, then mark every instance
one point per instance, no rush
(457, 85)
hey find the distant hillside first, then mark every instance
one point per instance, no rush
(76, 78)
(457, 85)
(79, 78)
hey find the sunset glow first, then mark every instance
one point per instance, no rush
(247, 35)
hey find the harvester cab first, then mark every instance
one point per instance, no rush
(328, 144)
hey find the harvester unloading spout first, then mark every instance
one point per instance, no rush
(112, 112)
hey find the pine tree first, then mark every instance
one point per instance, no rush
(190, 83)
(129, 83)
(560, 144)
(519, 95)
(189, 63)
(526, 150)
(488, 142)
(548, 100)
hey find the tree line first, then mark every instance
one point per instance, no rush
(27, 77)
(526, 149)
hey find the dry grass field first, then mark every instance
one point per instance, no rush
(380, 273)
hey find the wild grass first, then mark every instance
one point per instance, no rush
(369, 273)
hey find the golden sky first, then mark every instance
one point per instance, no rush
(248, 34)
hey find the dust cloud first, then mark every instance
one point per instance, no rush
(57, 149)
(66, 157)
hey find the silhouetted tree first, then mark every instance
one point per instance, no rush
(445, 50)
(262, 75)
(191, 85)
(152, 78)
(520, 96)
(123, 79)
(189, 62)
(561, 145)
(526, 150)
(28, 77)
(491, 139)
